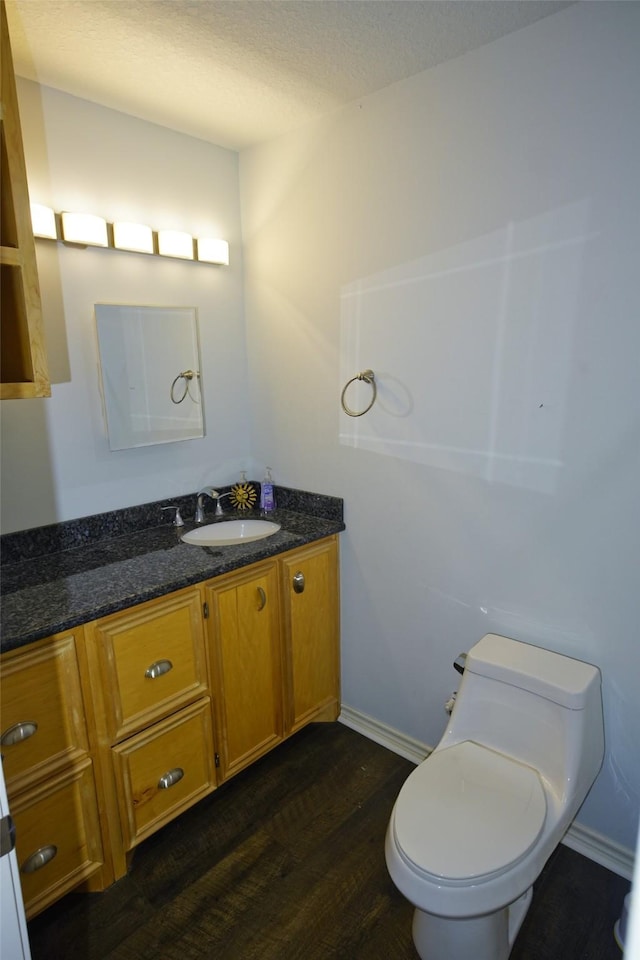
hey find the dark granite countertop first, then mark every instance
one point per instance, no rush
(103, 569)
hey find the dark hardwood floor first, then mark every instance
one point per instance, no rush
(286, 862)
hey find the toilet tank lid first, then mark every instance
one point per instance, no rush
(547, 674)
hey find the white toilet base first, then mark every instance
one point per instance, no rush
(470, 938)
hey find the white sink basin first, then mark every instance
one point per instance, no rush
(230, 531)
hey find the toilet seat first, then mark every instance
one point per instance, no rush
(468, 813)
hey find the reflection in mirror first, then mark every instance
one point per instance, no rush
(150, 369)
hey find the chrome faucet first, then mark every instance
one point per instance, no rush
(205, 492)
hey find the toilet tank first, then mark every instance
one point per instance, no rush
(537, 706)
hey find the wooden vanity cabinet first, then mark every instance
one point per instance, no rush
(49, 770)
(246, 664)
(114, 729)
(311, 633)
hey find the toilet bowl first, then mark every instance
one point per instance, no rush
(476, 821)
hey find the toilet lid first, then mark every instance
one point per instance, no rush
(467, 811)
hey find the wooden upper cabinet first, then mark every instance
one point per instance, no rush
(23, 362)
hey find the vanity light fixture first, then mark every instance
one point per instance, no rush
(43, 222)
(84, 228)
(213, 251)
(175, 243)
(137, 237)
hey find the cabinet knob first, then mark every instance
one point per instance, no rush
(158, 668)
(39, 859)
(263, 599)
(170, 778)
(18, 732)
(298, 582)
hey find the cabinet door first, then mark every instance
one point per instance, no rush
(247, 665)
(152, 661)
(41, 710)
(311, 619)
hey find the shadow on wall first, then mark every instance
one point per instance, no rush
(25, 440)
(472, 352)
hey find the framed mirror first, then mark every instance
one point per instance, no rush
(150, 372)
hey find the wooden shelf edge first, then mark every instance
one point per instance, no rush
(11, 257)
(25, 391)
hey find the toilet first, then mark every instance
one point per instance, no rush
(475, 823)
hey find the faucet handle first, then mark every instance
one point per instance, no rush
(178, 521)
(221, 496)
(209, 491)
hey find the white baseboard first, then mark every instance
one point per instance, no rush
(583, 840)
(596, 847)
(386, 736)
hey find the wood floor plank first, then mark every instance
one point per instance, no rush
(286, 862)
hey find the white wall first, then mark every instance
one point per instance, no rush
(56, 459)
(472, 235)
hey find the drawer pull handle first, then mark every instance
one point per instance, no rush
(39, 859)
(170, 778)
(263, 599)
(18, 732)
(158, 668)
(298, 582)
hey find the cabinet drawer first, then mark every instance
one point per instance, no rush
(164, 770)
(57, 836)
(152, 661)
(41, 711)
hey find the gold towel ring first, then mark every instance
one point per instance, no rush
(369, 377)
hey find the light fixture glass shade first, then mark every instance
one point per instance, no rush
(213, 251)
(43, 222)
(84, 228)
(133, 236)
(174, 243)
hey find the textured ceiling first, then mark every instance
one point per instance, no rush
(235, 72)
